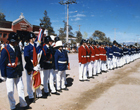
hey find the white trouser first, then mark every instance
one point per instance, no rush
(114, 62)
(46, 74)
(10, 91)
(60, 79)
(29, 86)
(42, 76)
(103, 64)
(51, 80)
(98, 66)
(93, 64)
(82, 71)
(89, 69)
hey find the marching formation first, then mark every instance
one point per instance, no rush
(45, 57)
(96, 57)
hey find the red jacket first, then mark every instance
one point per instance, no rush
(82, 55)
(102, 54)
(92, 56)
(88, 53)
(97, 53)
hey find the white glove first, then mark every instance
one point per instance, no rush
(3, 78)
(37, 67)
(56, 70)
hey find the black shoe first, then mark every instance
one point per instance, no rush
(31, 100)
(14, 109)
(66, 89)
(81, 80)
(86, 80)
(47, 94)
(43, 97)
(26, 107)
(59, 90)
(55, 93)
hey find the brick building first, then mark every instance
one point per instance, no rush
(20, 24)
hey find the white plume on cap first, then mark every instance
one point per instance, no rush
(52, 37)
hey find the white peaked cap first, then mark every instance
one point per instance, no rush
(58, 43)
(46, 32)
(52, 37)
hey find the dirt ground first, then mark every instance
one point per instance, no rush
(115, 90)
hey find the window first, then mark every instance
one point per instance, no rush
(4, 35)
(0, 35)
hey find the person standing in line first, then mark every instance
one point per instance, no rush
(89, 66)
(97, 58)
(61, 65)
(11, 69)
(93, 59)
(103, 58)
(47, 65)
(28, 56)
(82, 56)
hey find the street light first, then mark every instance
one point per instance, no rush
(67, 3)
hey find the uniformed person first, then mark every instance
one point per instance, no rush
(48, 65)
(61, 65)
(11, 69)
(28, 56)
(82, 56)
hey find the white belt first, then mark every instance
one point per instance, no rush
(92, 56)
(96, 54)
(103, 54)
(48, 61)
(88, 56)
(12, 64)
(110, 54)
(62, 61)
(84, 56)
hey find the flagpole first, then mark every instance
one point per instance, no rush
(35, 96)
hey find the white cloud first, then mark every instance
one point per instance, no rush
(92, 15)
(76, 19)
(73, 11)
(79, 15)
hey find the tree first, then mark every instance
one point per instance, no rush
(62, 32)
(2, 17)
(78, 36)
(46, 23)
(62, 35)
(90, 39)
(98, 35)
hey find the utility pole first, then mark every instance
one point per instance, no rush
(79, 27)
(67, 2)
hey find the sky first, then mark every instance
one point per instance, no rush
(102, 15)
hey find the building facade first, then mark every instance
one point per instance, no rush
(20, 24)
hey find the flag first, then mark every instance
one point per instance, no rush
(36, 58)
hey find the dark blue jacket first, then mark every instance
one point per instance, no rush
(28, 56)
(61, 60)
(11, 72)
(47, 58)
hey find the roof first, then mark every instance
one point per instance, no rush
(5, 29)
(21, 17)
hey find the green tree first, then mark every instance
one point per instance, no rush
(98, 35)
(46, 23)
(78, 36)
(62, 35)
(90, 39)
(69, 27)
(2, 17)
